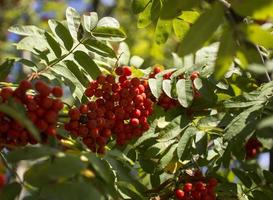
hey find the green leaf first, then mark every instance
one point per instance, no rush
(268, 176)
(173, 8)
(108, 22)
(145, 17)
(30, 153)
(73, 21)
(100, 48)
(241, 121)
(78, 73)
(158, 148)
(189, 16)
(76, 88)
(162, 31)
(180, 28)
(54, 45)
(185, 139)
(101, 167)
(257, 35)
(225, 54)
(202, 30)
(174, 128)
(109, 34)
(130, 190)
(184, 91)
(201, 142)
(266, 122)
(167, 158)
(167, 87)
(243, 177)
(87, 63)
(10, 191)
(44, 172)
(155, 10)
(155, 86)
(71, 191)
(61, 33)
(5, 69)
(32, 44)
(139, 5)
(28, 30)
(90, 21)
(17, 112)
(124, 54)
(260, 10)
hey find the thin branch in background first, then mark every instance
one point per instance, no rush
(262, 58)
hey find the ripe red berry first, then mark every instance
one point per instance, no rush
(74, 114)
(194, 75)
(57, 91)
(134, 122)
(121, 79)
(135, 82)
(110, 79)
(127, 71)
(187, 187)
(101, 79)
(42, 88)
(213, 182)
(179, 194)
(157, 70)
(119, 71)
(84, 109)
(6, 93)
(25, 85)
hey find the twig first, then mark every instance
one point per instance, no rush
(263, 61)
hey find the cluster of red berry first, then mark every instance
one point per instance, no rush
(42, 109)
(119, 106)
(165, 101)
(197, 187)
(252, 148)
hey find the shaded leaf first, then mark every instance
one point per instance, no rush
(5, 69)
(10, 191)
(145, 17)
(61, 33)
(87, 63)
(30, 153)
(162, 31)
(225, 54)
(202, 30)
(99, 48)
(185, 139)
(180, 28)
(54, 45)
(139, 5)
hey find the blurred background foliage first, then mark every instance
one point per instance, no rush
(37, 12)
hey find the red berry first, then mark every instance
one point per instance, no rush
(135, 81)
(121, 79)
(57, 105)
(42, 88)
(74, 114)
(89, 92)
(57, 91)
(179, 194)
(194, 75)
(127, 71)
(157, 70)
(187, 187)
(51, 116)
(119, 71)
(134, 122)
(84, 109)
(6, 93)
(213, 182)
(25, 85)
(110, 79)
(51, 131)
(101, 79)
